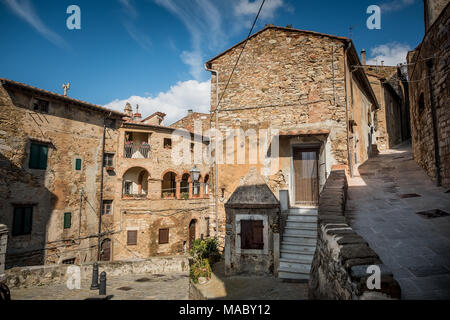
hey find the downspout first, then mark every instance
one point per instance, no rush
(216, 169)
(350, 161)
(437, 157)
(101, 190)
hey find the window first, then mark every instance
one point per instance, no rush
(107, 206)
(108, 160)
(41, 105)
(22, 220)
(163, 236)
(78, 164)
(128, 186)
(167, 143)
(67, 220)
(421, 103)
(69, 261)
(38, 156)
(252, 234)
(196, 188)
(132, 237)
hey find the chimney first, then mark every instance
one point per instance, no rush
(137, 115)
(363, 57)
(190, 111)
(128, 110)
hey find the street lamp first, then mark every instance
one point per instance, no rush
(195, 173)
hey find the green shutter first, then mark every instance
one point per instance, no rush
(67, 220)
(27, 217)
(43, 157)
(17, 221)
(78, 164)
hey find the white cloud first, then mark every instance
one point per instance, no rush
(395, 5)
(391, 53)
(247, 7)
(129, 23)
(25, 10)
(175, 102)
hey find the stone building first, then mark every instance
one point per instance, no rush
(391, 121)
(307, 100)
(51, 152)
(56, 178)
(428, 67)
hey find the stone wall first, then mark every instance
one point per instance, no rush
(57, 274)
(3, 244)
(429, 99)
(342, 257)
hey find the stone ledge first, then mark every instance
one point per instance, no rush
(339, 268)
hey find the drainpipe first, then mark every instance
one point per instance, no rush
(101, 190)
(350, 160)
(216, 169)
(437, 157)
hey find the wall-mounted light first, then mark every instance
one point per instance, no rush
(195, 173)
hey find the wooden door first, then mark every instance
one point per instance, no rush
(105, 254)
(191, 233)
(306, 176)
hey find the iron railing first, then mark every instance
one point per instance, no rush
(136, 150)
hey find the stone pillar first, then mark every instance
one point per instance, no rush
(3, 242)
(284, 200)
(177, 189)
(227, 255)
(191, 184)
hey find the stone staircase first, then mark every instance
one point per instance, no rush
(298, 244)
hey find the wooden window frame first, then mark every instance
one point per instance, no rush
(42, 156)
(167, 143)
(255, 229)
(163, 238)
(130, 238)
(78, 161)
(23, 231)
(110, 203)
(105, 158)
(67, 220)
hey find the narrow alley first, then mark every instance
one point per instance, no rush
(383, 206)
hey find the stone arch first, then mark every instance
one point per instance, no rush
(135, 182)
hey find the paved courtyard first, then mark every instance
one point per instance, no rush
(130, 287)
(382, 208)
(247, 287)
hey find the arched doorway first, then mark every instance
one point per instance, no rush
(192, 233)
(105, 253)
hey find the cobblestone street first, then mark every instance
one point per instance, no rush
(383, 205)
(131, 287)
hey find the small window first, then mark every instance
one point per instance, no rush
(421, 103)
(22, 220)
(163, 236)
(67, 220)
(78, 164)
(107, 206)
(252, 234)
(108, 160)
(167, 143)
(127, 188)
(132, 237)
(38, 156)
(69, 261)
(41, 105)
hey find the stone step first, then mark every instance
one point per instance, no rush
(300, 241)
(298, 248)
(301, 232)
(289, 275)
(302, 218)
(290, 229)
(297, 256)
(294, 266)
(297, 211)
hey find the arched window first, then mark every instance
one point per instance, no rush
(184, 186)
(135, 182)
(421, 103)
(168, 185)
(105, 253)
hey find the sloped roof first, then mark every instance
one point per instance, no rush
(253, 192)
(60, 97)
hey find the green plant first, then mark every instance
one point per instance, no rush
(206, 249)
(200, 268)
(185, 195)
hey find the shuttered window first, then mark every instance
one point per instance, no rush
(78, 164)
(163, 236)
(132, 237)
(22, 220)
(252, 234)
(38, 156)
(67, 220)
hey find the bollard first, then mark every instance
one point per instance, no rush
(94, 284)
(102, 288)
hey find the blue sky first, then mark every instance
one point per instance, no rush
(151, 52)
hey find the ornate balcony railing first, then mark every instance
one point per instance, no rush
(136, 150)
